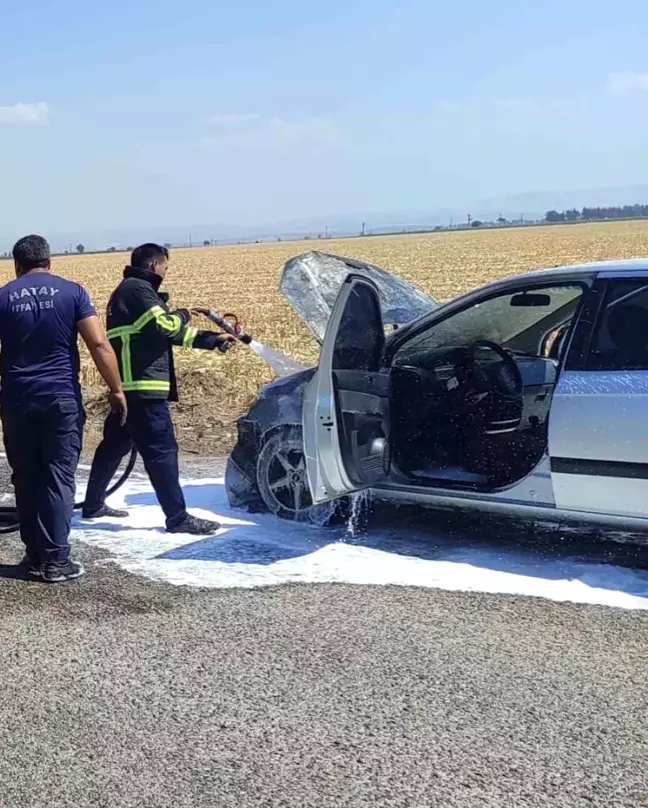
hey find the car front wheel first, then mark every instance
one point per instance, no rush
(283, 483)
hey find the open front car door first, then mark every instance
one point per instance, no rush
(346, 404)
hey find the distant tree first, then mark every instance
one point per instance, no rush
(501, 220)
(129, 249)
(554, 216)
(167, 245)
(206, 243)
(80, 248)
(572, 215)
(476, 223)
(112, 249)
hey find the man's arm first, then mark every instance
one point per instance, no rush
(203, 340)
(149, 316)
(173, 325)
(93, 334)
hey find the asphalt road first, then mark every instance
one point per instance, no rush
(117, 691)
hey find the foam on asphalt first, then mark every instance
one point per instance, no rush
(261, 550)
(123, 691)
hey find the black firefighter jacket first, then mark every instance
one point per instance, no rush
(142, 330)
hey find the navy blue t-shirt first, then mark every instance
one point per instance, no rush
(39, 313)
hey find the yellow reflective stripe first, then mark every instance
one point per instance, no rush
(127, 369)
(169, 322)
(189, 337)
(150, 314)
(147, 385)
(113, 333)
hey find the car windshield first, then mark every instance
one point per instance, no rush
(514, 321)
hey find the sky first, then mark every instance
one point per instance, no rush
(132, 114)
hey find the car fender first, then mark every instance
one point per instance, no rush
(278, 406)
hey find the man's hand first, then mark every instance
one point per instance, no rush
(204, 310)
(224, 342)
(118, 406)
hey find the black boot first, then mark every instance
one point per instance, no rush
(195, 526)
(104, 510)
(32, 569)
(59, 573)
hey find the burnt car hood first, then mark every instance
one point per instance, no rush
(311, 283)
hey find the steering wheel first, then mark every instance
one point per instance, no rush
(503, 377)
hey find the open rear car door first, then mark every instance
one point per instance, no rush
(346, 404)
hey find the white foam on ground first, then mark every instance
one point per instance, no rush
(261, 550)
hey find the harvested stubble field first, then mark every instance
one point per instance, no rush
(244, 279)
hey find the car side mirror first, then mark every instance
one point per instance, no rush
(530, 300)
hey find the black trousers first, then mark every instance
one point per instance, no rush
(43, 439)
(150, 429)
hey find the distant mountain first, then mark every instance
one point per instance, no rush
(531, 205)
(535, 205)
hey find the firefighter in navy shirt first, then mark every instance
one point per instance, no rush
(40, 402)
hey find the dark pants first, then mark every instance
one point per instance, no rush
(43, 443)
(150, 429)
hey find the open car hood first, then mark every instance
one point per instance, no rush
(311, 282)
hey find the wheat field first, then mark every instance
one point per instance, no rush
(244, 279)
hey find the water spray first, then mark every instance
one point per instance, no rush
(282, 364)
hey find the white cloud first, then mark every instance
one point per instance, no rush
(253, 129)
(36, 114)
(629, 82)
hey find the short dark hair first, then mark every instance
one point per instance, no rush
(32, 252)
(144, 255)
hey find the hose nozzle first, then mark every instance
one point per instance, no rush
(230, 324)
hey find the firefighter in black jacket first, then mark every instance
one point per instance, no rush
(143, 331)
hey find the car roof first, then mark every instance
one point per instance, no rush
(621, 266)
(568, 272)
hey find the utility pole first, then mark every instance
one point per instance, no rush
(363, 229)
(326, 231)
(190, 244)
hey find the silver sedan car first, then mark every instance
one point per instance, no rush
(527, 397)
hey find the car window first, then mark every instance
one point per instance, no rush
(620, 340)
(360, 338)
(519, 321)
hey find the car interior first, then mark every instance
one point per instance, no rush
(621, 342)
(471, 394)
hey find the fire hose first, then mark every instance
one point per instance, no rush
(230, 324)
(9, 521)
(9, 515)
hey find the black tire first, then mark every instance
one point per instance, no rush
(282, 481)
